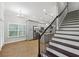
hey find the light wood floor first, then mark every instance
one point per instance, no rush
(20, 49)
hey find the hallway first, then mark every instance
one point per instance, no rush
(20, 49)
(55, 24)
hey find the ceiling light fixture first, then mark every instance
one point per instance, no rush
(20, 14)
(44, 10)
(46, 24)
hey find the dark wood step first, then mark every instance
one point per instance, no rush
(63, 51)
(65, 44)
(49, 54)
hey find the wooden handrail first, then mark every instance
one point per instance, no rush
(39, 55)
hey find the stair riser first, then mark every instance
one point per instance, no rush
(70, 23)
(67, 36)
(65, 48)
(68, 32)
(66, 41)
(56, 52)
(63, 51)
(69, 26)
(69, 29)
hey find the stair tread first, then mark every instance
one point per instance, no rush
(71, 34)
(67, 36)
(68, 43)
(69, 28)
(71, 20)
(69, 24)
(52, 51)
(65, 48)
(67, 39)
(68, 32)
(49, 54)
(63, 51)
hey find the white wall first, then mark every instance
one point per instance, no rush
(1, 25)
(12, 18)
(2, 10)
(1, 34)
(29, 29)
(72, 6)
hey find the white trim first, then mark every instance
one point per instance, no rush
(65, 28)
(14, 41)
(71, 25)
(68, 32)
(18, 30)
(67, 36)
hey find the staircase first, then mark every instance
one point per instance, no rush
(65, 42)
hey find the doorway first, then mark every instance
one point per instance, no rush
(35, 29)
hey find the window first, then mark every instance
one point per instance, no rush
(16, 30)
(21, 30)
(13, 30)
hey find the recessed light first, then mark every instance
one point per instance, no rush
(44, 10)
(46, 24)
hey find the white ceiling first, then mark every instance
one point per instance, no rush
(33, 10)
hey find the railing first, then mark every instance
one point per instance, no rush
(39, 54)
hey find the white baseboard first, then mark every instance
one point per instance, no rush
(14, 41)
(0, 48)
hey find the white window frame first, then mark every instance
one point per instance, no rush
(18, 33)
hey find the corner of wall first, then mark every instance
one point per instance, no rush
(1, 47)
